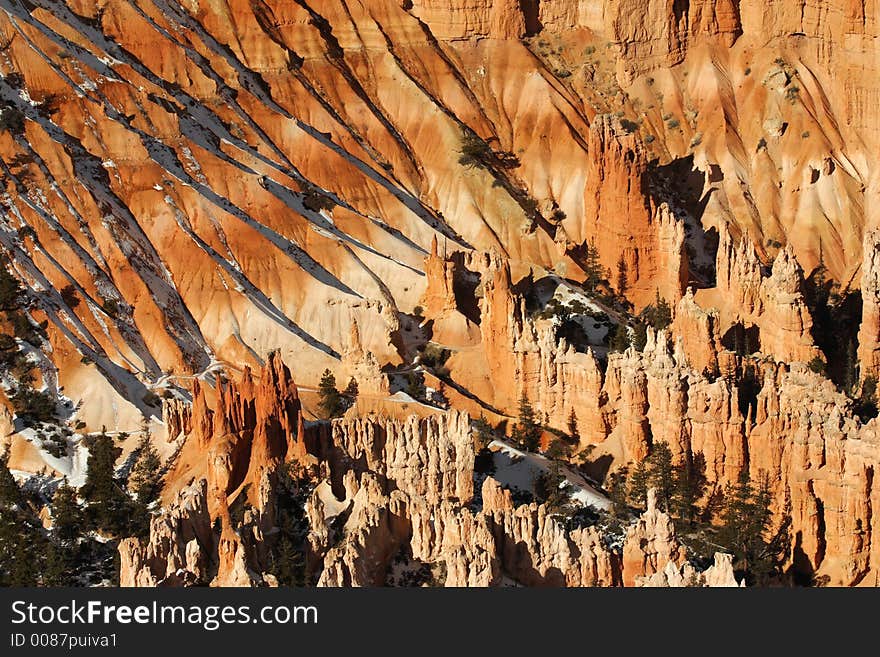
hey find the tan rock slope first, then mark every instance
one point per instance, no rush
(457, 206)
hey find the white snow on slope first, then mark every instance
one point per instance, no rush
(520, 469)
(73, 466)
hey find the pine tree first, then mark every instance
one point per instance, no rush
(619, 339)
(22, 548)
(552, 489)
(329, 400)
(67, 520)
(617, 493)
(10, 288)
(10, 493)
(622, 277)
(145, 480)
(59, 565)
(526, 432)
(689, 482)
(574, 436)
(592, 266)
(288, 564)
(661, 473)
(637, 489)
(351, 390)
(484, 432)
(24, 570)
(415, 386)
(662, 312)
(484, 461)
(640, 336)
(765, 551)
(100, 484)
(850, 365)
(865, 406)
(108, 505)
(745, 522)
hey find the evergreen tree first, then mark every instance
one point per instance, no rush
(553, 490)
(10, 493)
(850, 368)
(351, 390)
(661, 473)
(67, 520)
(10, 288)
(594, 271)
(484, 461)
(485, 434)
(637, 489)
(574, 436)
(329, 401)
(415, 386)
(640, 336)
(287, 546)
(735, 514)
(22, 548)
(558, 449)
(100, 483)
(745, 522)
(24, 570)
(108, 506)
(617, 493)
(688, 485)
(865, 406)
(288, 564)
(145, 480)
(662, 313)
(526, 432)
(59, 566)
(622, 277)
(619, 339)
(658, 315)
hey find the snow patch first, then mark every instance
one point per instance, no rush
(515, 468)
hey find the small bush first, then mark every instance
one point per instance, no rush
(68, 293)
(12, 119)
(434, 355)
(316, 201)
(817, 365)
(111, 307)
(474, 151)
(33, 405)
(23, 329)
(10, 290)
(629, 126)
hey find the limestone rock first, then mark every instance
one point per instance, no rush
(869, 330)
(650, 544)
